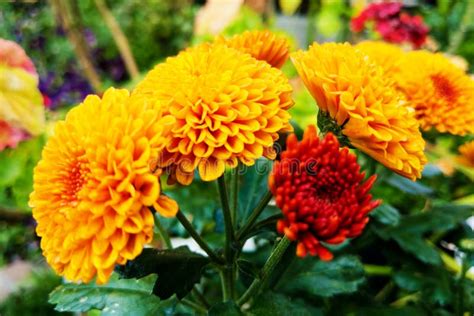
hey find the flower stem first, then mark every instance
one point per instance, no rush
(254, 215)
(229, 229)
(266, 271)
(198, 308)
(195, 235)
(228, 273)
(372, 269)
(234, 193)
(163, 233)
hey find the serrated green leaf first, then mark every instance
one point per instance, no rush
(408, 186)
(386, 214)
(118, 297)
(178, 270)
(225, 309)
(276, 304)
(311, 275)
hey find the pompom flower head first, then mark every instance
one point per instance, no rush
(441, 93)
(466, 152)
(386, 55)
(94, 183)
(262, 45)
(353, 93)
(229, 107)
(321, 192)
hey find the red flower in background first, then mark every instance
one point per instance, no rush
(392, 24)
(321, 192)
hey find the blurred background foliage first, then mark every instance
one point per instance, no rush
(413, 259)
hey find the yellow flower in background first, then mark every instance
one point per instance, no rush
(94, 183)
(441, 93)
(466, 152)
(21, 103)
(229, 107)
(354, 92)
(262, 45)
(386, 55)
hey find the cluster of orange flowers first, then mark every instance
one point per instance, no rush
(214, 106)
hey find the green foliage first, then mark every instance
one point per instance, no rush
(32, 299)
(16, 173)
(319, 278)
(155, 29)
(278, 305)
(178, 270)
(225, 308)
(117, 297)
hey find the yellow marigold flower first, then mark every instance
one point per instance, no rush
(262, 45)
(94, 183)
(229, 107)
(353, 91)
(467, 154)
(388, 56)
(441, 93)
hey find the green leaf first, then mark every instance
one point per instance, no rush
(435, 283)
(341, 275)
(178, 270)
(276, 304)
(118, 297)
(225, 309)
(408, 186)
(386, 214)
(409, 233)
(390, 311)
(247, 267)
(417, 246)
(253, 184)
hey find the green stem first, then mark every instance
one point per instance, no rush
(234, 192)
(266, 271)
(254, 215)
(163, 233)
(229, 229)
(228, 273)
(384, 292)
(462, 276)
(406, 299)
(198, 308)
(195, 235)
(372, 269)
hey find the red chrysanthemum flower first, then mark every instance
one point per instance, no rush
(392, 24)
(321, 192)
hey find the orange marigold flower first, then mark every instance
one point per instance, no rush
(467, 154)
(229, 107)
(441, 93)
(353, 93)
(321, 192)
(262, 45)
(388, 56)
(94, 183)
